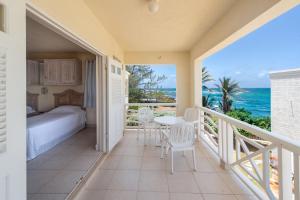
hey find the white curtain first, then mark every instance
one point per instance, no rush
(90, 84)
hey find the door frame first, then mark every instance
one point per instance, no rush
(101, 73)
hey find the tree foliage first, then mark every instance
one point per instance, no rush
(206, 77)
(246, 116)
(144, 84)
(228, 88)
(207, 101)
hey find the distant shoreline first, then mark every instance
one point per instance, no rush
(255, 100)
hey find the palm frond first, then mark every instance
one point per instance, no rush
(206, 77)
(229, 88)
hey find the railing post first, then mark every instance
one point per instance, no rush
(201, 124)
(225, 140)
(125, 117)
(285, 173)
(229, 146)
(222, 142)
(237, 149)
(296, 176)
(266, 173)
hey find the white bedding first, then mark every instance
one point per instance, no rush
(47, 130)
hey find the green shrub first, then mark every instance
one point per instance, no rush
(246, 116)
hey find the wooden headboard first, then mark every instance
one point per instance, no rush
(32, 100)
(68, 97)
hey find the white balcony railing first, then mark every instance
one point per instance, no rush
(159, 109)
(268, 163)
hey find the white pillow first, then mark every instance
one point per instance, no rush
(30, 110)
(65, 109)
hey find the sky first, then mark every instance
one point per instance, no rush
(275, 46)
(169, 70)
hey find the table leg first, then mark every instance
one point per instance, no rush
(160, 136)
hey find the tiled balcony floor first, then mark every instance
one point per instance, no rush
(136, 172)
(53, 174)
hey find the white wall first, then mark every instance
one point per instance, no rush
(13, 161)
(285, 103)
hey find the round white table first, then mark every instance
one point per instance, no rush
(168, 120)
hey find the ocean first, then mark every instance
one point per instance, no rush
(255, 100)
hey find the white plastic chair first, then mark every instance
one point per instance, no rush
(191, 115)
(145, 119)
(180, 137)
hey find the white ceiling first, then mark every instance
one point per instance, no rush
(177, 26)
(41, 39)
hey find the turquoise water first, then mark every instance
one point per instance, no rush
(171, 92)
(255, 100)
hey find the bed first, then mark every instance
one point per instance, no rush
(46, 130)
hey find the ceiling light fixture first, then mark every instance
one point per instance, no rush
(153, 6)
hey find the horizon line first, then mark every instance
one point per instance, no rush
(216, 88)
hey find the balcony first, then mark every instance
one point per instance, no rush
(229, 165)
(134, 171)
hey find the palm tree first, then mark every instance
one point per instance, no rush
(206, 77)
(207, 101)
(228, 88)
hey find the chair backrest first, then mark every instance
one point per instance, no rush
(145, 115)
(182, 134)
(191, 114)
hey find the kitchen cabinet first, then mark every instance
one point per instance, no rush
(61, 72)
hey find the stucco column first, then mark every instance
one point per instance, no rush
(197, 82)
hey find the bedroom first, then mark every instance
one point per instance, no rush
(61, 113)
